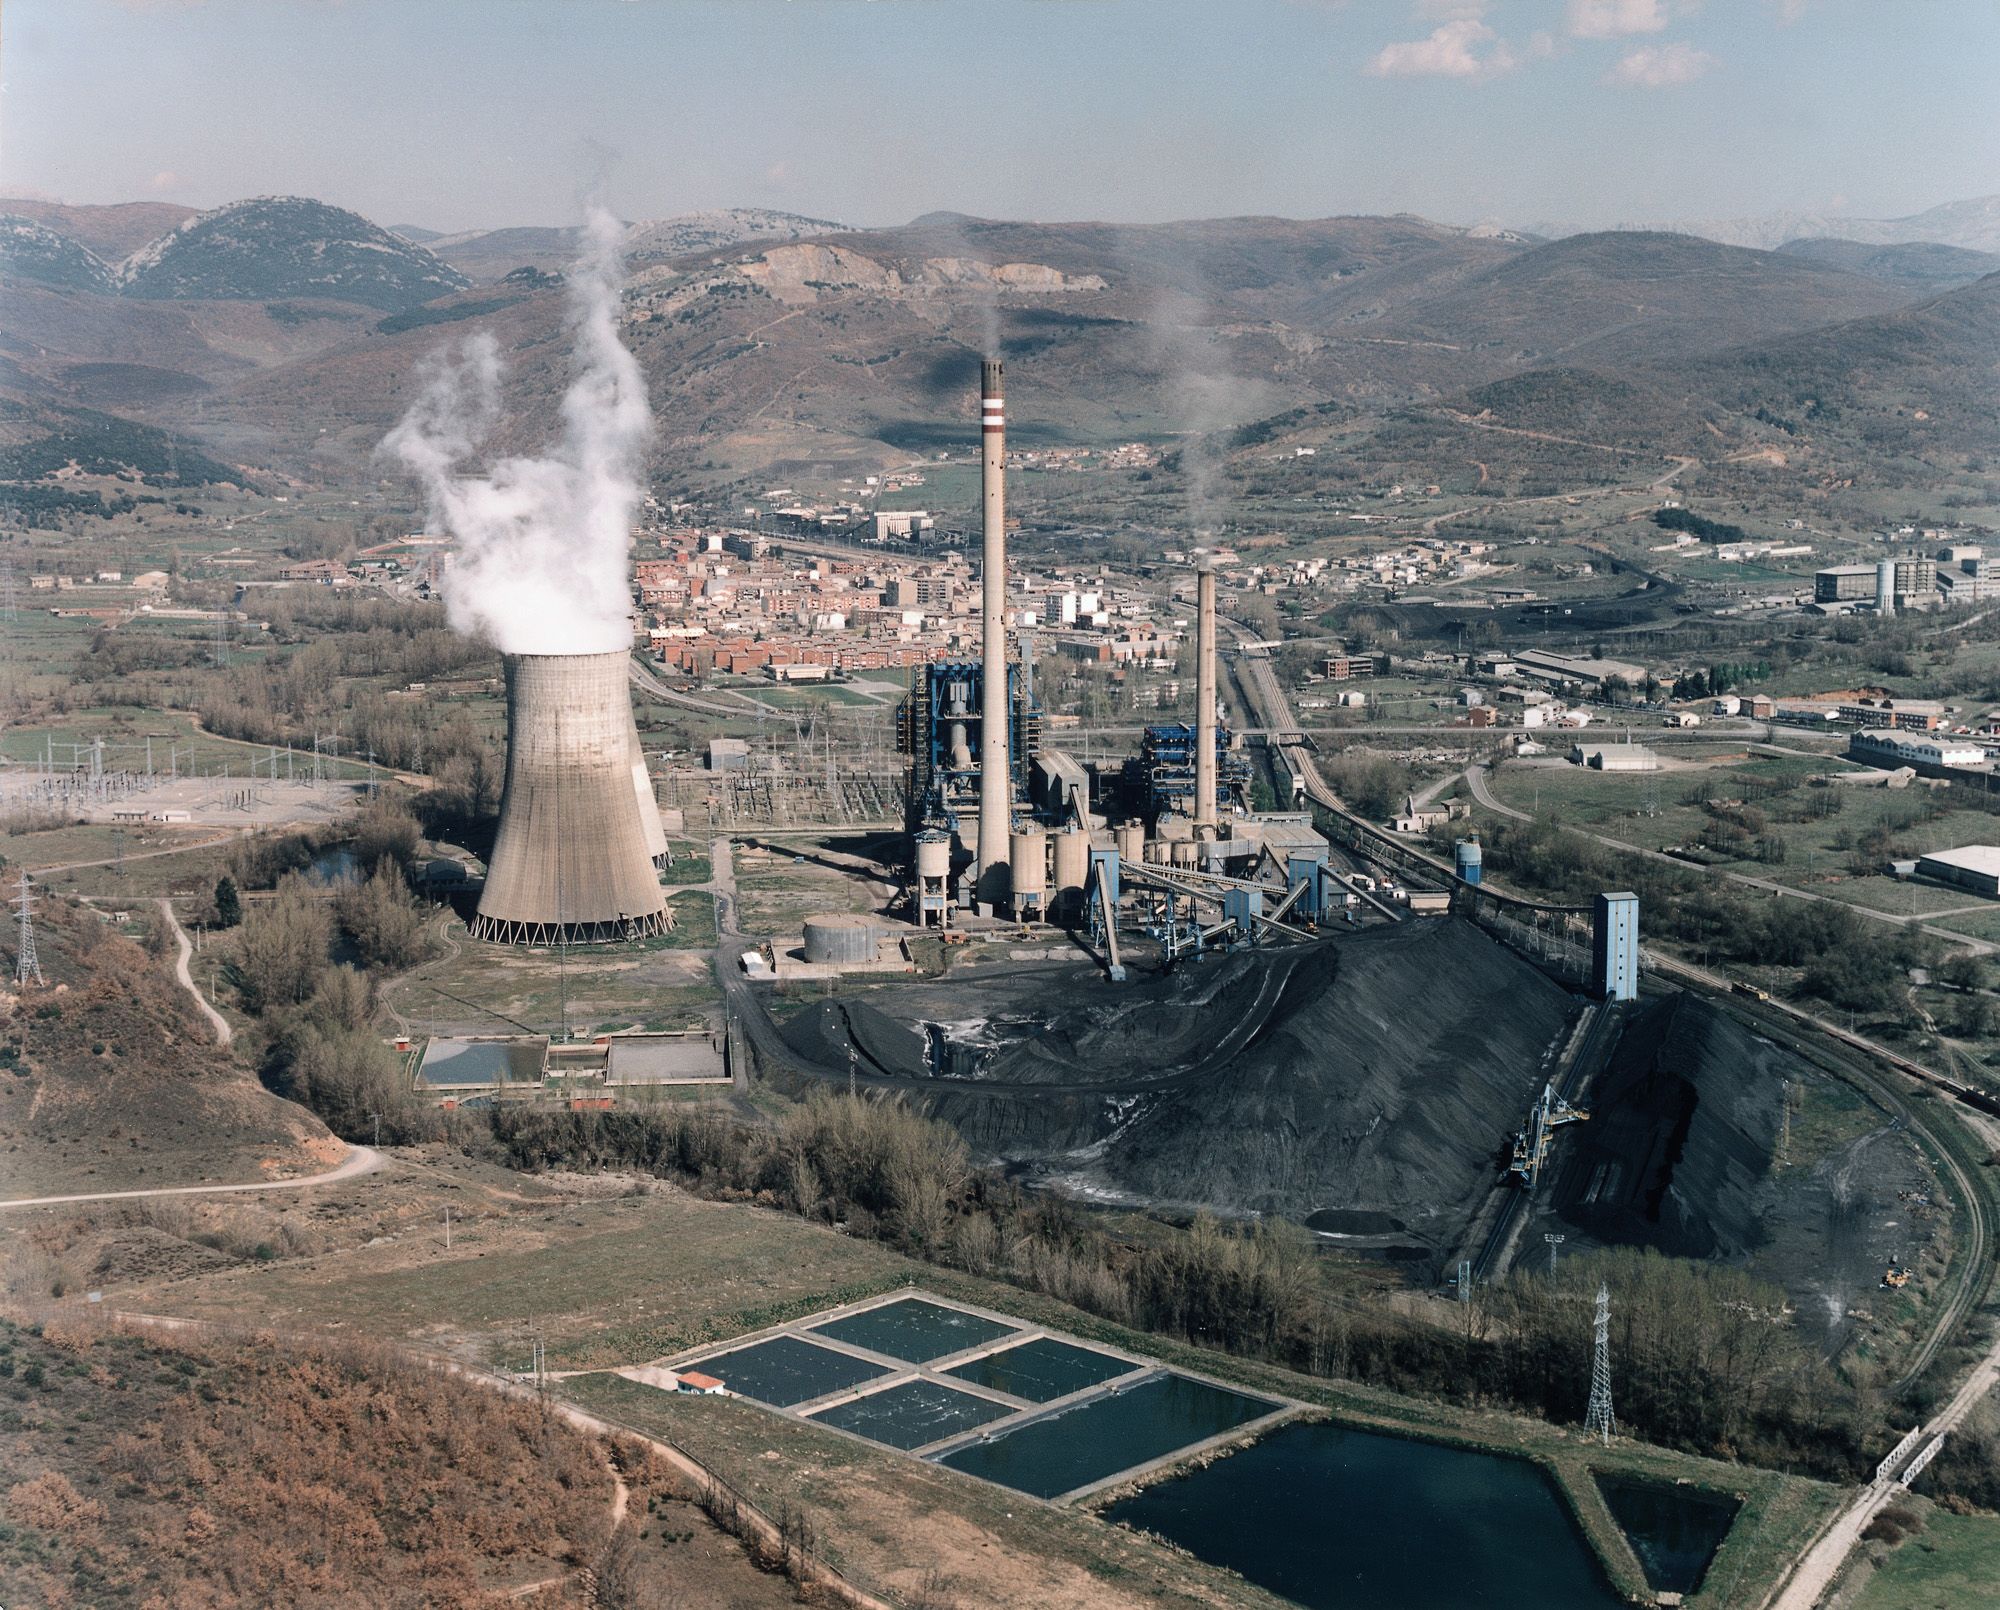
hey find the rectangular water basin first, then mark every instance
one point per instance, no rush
(1042, 1370)
(1097, 1438)
(914, 1329)
(913, 1414)
(1333, 1519)
(785, 1370)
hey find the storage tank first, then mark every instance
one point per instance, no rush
(841, 939)
(1468, 860)
(1028, 870)
(1072, 858)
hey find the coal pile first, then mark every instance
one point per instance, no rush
(1367, 1084)
(1683, 1130)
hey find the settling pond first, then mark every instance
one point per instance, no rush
(1334, 1519)
(1327, 1517)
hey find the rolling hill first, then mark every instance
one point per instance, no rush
(1911, 393)
(1920, 265)
(286, 246)
(111, 1082)
(112, 233)
(1615, 299)
(32, 251)
(484, 255)
(1973, 224)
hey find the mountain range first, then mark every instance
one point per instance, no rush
(281, 331)
(489, 254)
(1973, 224)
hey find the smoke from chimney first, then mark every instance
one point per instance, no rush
(541, 564)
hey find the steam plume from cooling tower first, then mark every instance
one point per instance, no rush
(541, 565)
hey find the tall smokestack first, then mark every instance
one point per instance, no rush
(573, 861)
(995, 785)
(1204, 697)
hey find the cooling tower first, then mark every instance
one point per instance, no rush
(578, 827)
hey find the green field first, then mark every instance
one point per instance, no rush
(1654, 810)
(1952, 1564)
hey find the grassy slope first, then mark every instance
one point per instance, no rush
(113, 1083)
(157, 1470)
(1953, 1562)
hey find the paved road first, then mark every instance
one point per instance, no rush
(1475, 780)
(360, 1160)
(223, 1033)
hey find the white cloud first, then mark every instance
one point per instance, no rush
(166, 179)
(1451, 51)
(1790, 11)
(1660, 66)
(1614, 19)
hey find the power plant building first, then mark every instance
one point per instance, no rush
(574, 860)
(1001, 823)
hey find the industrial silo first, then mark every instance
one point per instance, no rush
(1028, 872)
(1131, 840)
(1468, 859)
(573, 861)
(933, 892)
(1072, 869)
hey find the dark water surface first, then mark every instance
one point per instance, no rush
(913, 1329)
(1042, 1370)
(913, 1414)
(1089, 1441)
(785, 1370)
(1675, 1531)
(1334, 1519)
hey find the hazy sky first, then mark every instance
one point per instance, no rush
(468, 113)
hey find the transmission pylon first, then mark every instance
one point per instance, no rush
(1598, 1420)
(27, 966)
(10, 601)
